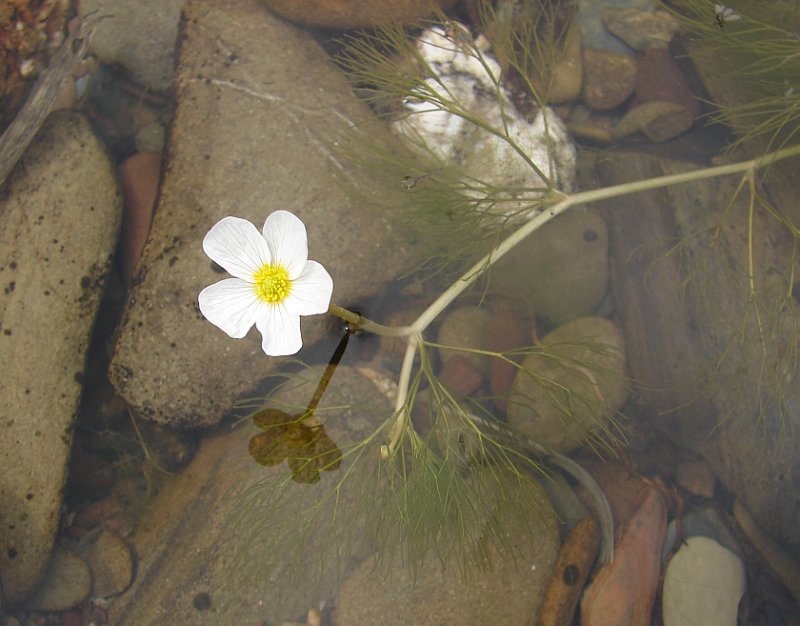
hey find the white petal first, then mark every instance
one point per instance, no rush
(311, 291)
(231, 305)
(280, 331)
(236, 245)
(286, 237)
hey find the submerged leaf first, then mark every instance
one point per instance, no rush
(299, 439)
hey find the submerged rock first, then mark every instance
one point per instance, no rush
(59, 218)
(356, 13)
(138, 36)
(561, 270)
(608, 78)
(468, 80)
(703, 585)
(67, 583)
(566, 394)
(509, 592)
(228, 530)
(623, 592)
(260, 112)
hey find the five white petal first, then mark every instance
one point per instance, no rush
(232, 304)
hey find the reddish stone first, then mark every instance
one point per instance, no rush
(660, 78)
(697, 478)
(508, 328)
(460, 377)
(139, 176)
(623, 592)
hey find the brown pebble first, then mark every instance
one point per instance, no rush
(608, 79)
(660, 79)
(623, 592)
(139, 176)
(460, 377)
(508, 327)
(697, 478)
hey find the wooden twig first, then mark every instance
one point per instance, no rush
(40, 101)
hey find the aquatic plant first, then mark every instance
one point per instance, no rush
(420, 475)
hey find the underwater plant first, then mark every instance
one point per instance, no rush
(427, 466)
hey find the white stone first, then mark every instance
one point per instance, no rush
(703, 585)
(467, 80)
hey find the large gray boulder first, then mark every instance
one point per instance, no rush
(59, 219)
(260, 109)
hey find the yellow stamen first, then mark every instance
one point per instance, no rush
(272, 283)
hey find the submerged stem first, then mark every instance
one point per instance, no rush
(359, 322)
(533, 224)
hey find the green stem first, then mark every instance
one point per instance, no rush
(359, 322)
(414, 332)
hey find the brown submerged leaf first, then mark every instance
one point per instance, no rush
(298, 439)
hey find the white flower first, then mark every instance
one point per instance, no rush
(274, 282)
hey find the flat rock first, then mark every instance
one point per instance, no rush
(743, 423)
(138, 36)
(221, 529)
(623, 592)
(260, 108)
(59, 218)
(589, 19)
(510, 592)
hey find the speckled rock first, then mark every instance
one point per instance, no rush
(260, 109)
(139, 36)
(568, 395)
(59, 219)
(608, 78)
(508, 593)
(356, 13)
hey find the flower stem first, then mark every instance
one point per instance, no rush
(358, 322)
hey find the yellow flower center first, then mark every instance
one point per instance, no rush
(272, 283)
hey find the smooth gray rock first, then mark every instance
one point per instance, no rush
(561, 270)
(139, 36)
(260, 109)
(58, 230)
